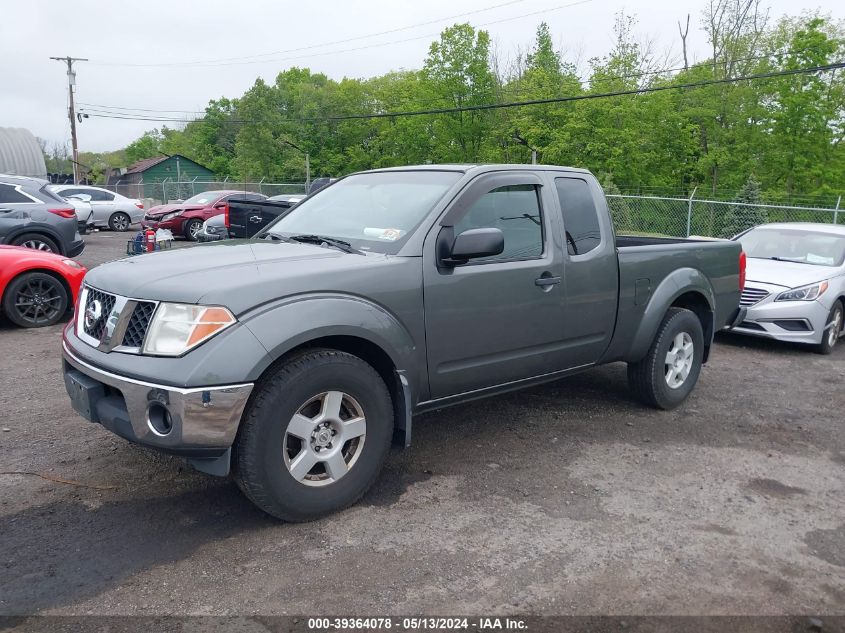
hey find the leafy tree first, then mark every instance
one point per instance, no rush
(739, 218)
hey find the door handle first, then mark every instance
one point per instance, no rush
(546, 281)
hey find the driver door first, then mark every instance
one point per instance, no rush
(495, 319)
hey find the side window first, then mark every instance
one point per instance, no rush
(580, 217)
(100, 196)
(515, 211)
(10, 195)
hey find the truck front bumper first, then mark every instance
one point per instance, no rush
(198, 423)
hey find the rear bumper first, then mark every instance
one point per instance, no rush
(198, 423)
(76, 248)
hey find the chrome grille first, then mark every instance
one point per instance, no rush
(95, 327)
(750, 296)
(136, 330)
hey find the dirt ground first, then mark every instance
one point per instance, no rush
(564, 499)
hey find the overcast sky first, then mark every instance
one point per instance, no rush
(116, 35)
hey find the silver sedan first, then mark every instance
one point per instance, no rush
(111, 209)
(795, 288)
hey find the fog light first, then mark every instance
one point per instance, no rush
(158, 419)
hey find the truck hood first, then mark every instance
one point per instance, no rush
(168, 208)
(785, 274)
(238, 274)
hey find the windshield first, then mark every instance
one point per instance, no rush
(374, 211)
(204, 198)
(806, 247)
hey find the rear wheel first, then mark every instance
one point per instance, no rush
(315, 436)
(833, 330)
(37, 241)
(35, 300)
(192, 229)
(119, 221)
(670, 369)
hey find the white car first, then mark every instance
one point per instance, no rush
(795, 283)
(111, 209)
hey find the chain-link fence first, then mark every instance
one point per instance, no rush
(682, 217)
(171, 190)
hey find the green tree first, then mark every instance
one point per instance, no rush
(741, 217)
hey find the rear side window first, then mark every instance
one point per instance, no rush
(580, 216)
(515, 211)
(10, 195)
(99, 196)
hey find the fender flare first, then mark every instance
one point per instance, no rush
(673, 286)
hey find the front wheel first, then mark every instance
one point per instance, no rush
(833, 330)
(192, 229)
(670, 369)
(315, 435)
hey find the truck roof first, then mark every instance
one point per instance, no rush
(482, 167)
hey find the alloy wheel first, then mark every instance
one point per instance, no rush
(835, 328)
(37, 245)
(324, 438)
(38, 302)
(679, 358)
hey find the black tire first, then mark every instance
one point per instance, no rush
(35, 300)
(191, 229)
(119, 221)
(649, 377)
(831, 333)
(37, 241)
(261, 451)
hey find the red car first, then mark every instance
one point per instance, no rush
(186, 218)
(37, 287)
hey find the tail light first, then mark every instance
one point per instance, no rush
(64, 213)
(226, 215)
(139, 204)
(741, 271)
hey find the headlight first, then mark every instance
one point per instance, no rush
(169, 216)
(72, 264)
(177, 327)
(804, 293)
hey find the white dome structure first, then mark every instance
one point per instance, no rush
(20, 153)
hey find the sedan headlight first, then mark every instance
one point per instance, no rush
(169, 216)
(804, 293)
(177, 328)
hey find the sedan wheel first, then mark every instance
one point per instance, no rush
(325, 438)
(119, 222)
(833, 330)
(35, 300)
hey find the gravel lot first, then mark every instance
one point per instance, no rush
(564, 499)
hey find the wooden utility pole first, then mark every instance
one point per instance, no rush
(71, 111)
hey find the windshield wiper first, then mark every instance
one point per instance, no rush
(346, 247)
(789, 259)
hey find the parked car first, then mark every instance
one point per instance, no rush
(796, 283)
(33, 216)
(298, 354)
(185, 219)
(245, 218)
(213, 229)
(319, 183)
(37, 288)
(111, 210)
(84, 212)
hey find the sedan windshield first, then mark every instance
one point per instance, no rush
(376, 211)
(203, 198)
(791, 245)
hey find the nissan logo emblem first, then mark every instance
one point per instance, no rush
(93, 313)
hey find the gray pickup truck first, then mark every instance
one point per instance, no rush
(296, 357)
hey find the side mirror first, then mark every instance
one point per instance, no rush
(81, 196)
(220, 205)
(474, 243)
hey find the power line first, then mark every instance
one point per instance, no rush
(332, 43)
(512, 104)
(213, 64)
(130, 111)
